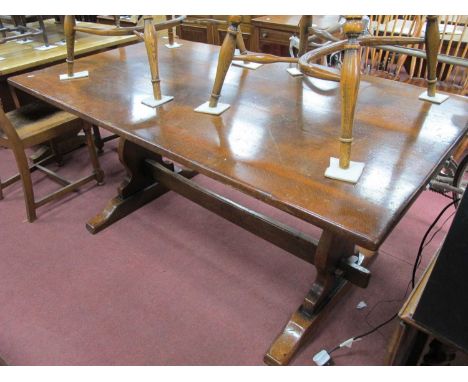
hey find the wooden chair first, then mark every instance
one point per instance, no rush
(33, 124)
(149, 35)
(22, 31)
(70, 28)
(452, 65)
(317, 31)
(383, 63)
(348, 76)
(150, 38)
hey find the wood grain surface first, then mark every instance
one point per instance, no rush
(276, 140)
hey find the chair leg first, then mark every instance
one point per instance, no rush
(23, 168)
(55, 150)
(99, 174)
(98, 139)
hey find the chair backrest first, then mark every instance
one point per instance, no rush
(70, 28)
(10, 137)
(389, 64)
(453, 43)
(316, 31)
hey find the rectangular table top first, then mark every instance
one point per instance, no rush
(17, 57)
(275, 141)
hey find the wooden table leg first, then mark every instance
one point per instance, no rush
(325, 291)
(138, 188)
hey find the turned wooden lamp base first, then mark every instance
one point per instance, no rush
(217, 110)
(153, 102)
(350, 174)
(76, 75)
(437, 99)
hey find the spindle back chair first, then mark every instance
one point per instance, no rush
(383, 63)
(452, 77)
(348, 76)
(149, 36)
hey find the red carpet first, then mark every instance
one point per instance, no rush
(173, 284)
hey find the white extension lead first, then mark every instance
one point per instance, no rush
(322, 358)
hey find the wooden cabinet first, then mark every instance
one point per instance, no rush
(268, 34)
(271, 34)
(125, 21)
(197, 33)
(213, 34)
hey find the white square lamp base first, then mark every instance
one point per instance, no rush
(437, 99)
(295, 72)
(173, 46)
(152, 102)
(247, 65)
(76, 75)
(350, 174)
(46, 47)
(205, 108)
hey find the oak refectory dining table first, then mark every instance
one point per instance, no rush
(273, 144)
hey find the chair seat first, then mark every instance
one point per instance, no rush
(38, 122)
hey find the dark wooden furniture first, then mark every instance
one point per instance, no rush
(437, 307)
(124, 21)
(270, 34)
(272, 144)
(212, 33)
(34, 124)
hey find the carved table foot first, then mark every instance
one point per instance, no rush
(299, 328)
(325, 292)
(119, 207)
(138, 189)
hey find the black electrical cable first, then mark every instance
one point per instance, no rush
(422, 245)
(435, 233)
(378, 326)
(368, 332)
(375, 328)
(360, 336)
(439, 229)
